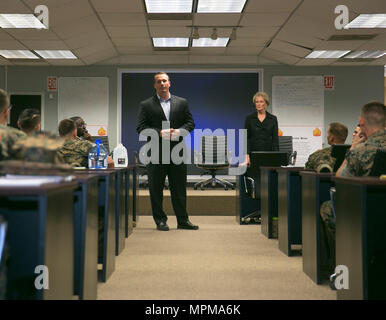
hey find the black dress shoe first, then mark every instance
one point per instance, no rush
(187, 225)
(162, 226)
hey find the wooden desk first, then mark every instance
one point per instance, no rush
(120, 214)
(129, 185)
(135, 174)
(289, 208)
(315, 190)
(106, 219)
(268, 199)
(86, 237)
(40, 232)
(360, 236)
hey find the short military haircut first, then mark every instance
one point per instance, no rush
(29, 119)
(66, 126)
(4, 100)
(339, 131)
(161, 72)
(374, 114)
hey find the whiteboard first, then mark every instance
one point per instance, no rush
(298, 100)
(86, 97)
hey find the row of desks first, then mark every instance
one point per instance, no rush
(295, 196)
(69, 227)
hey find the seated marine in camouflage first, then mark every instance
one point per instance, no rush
(358, 162)
(8, 135)
(321, 160)
(81, 129)
(74, 150)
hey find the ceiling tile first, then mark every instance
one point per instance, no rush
(216, 19)
(221, 60)
(263, 19)
(32, 34)
(271, 6)
(11, 45)
(135, 42)
(45, 45)
(13, 6)
(170, 32)
(244, 42)
(339, 45)
(123, 19)
(279, 56)
(86, 39)
(127, 32)
(100, 56)
(289, 48)
(315, 62)
(207, 51)
(170, 23)
(92, 49)
(243, 51)
(118, 5)
(257, 32)
(49, 3)
(88, 24)
(68, 12)
(134, 50)
(65, 62)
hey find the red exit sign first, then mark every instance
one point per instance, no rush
(329, 82)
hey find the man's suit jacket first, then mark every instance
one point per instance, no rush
(151, 115)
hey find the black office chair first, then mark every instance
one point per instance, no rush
(338, 151)
(143, 172)
(3, 258)
(252, 177)
(379, 165)
(213, 156)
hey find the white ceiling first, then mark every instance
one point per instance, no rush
(119, 32)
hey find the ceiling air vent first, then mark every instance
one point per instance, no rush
(171, 48)
(351, 37)
(169, 16)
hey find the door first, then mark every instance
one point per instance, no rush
(19, 102)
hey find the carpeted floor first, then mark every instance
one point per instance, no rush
(222, 260)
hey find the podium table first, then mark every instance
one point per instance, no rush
(289, 208)
(40, 233)
(315, 190)
(268, 199)
(361, 236)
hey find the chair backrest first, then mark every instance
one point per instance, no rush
(286, 145)
(105, 141)
(338, 152)
(379, 165)
(214, 150)
(3, 233)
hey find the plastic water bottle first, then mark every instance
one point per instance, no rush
(120, 156)
(97, 156)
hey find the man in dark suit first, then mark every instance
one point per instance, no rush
(153, 114)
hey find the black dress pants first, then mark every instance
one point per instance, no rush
(177, 184)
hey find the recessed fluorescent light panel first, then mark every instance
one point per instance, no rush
(18, 54)
(171, 42)
(175, 6)
(56, 54)
(377, 20)
(365, 54)
(208, 42)
(27, 21)
(325, 54)
(220, 6)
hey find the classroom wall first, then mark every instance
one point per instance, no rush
(354, 86)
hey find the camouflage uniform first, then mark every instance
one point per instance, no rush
(8, 138)
(359, 163)
(38, 147)
(75, 152)
(319, 159)
(361, 159)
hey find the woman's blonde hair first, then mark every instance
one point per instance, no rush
(263, 95)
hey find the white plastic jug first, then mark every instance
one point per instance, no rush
(120, 156)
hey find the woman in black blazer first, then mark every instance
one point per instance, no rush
(262, 134)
